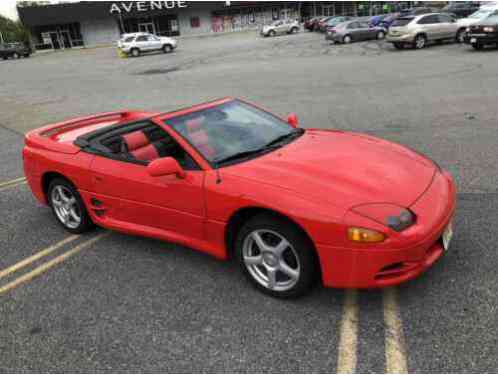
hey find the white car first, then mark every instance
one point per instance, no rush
(482, 14)
(138, 43)
(288, 26)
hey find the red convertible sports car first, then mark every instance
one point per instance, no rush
(233, 180)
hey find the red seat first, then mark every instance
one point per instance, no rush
(140, 147)
(199, 137)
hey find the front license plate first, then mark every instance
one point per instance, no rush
(447, 236)
(473, 40)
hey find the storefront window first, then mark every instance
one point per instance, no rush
(195, 22)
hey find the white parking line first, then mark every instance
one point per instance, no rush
(396, 362)
(13, 183)
(348, 342)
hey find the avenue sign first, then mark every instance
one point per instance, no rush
(145, 6)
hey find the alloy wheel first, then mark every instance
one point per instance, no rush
(420, 42)
(271, 260)
(66, 207)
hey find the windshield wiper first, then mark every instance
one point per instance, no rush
(286, 137)
(239, 155)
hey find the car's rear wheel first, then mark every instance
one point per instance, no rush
(135, 52)
(381, 35)
(68, 207)
(276, 256)
(272, 33)
(347, 39)
(294, 30)
(167, 48)
(419, 42)
(398, 45)
(15, 55)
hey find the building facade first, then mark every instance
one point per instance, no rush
(87, 23)
(92, 23)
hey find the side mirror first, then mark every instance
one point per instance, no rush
(292, 120)
(165, 167)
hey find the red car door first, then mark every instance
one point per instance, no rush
(129, 196)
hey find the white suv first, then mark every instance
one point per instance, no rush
(136, 44)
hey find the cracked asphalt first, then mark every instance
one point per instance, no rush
(129, 304)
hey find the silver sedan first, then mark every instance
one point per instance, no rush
(354, 31)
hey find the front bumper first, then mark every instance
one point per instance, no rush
(481, 38)
(333, 37)
(375, 267)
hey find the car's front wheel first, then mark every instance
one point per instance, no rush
(477, 46)
(16, 56)
(398, 45)
(167, 48)
(381, 35)
(460, 36)
(419, 42)
(68, 207)
(347, 39)
(272, 33)
(276, 256)
(135, 52)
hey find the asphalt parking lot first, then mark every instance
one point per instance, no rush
(107, 302)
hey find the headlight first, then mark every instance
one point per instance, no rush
(489, 29)
(365, 235)
(395, 217)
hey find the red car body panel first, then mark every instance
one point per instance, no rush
(322, 182)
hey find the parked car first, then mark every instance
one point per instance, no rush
(475, 18)
(311, 23)
(334, 21)
(280, 27)
(320, 25)
(14, 50)
(484, 33)
(461, 9)
(235, 181)
(417, 31)
(354, 31)
(139, 43)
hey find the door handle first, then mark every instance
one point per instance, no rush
(98, 179)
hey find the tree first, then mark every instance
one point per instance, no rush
(13, 31)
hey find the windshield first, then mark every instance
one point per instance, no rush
(480, 14)
(224, 132)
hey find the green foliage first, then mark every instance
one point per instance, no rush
(13, 31)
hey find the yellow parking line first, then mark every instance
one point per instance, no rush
(25, 262)
(48, 265)
(348, 342)
(7, 183)
(13, 185)
(396, 362)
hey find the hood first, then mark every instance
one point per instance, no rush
(467, 21)
(344, 169)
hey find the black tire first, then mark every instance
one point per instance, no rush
(272, 33)
(86, 223)
(167, 48)
(5, 58)
(381, 35)
(347, 39)
(16, 56)
(294, 30)
(460, 35)
(135, 52)
(477, 46)
(27, 55)
(303, 252)
(419, 42)
(398, 45)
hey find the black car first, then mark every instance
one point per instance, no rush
(14, 50)
(461, 9)
(483, 34)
